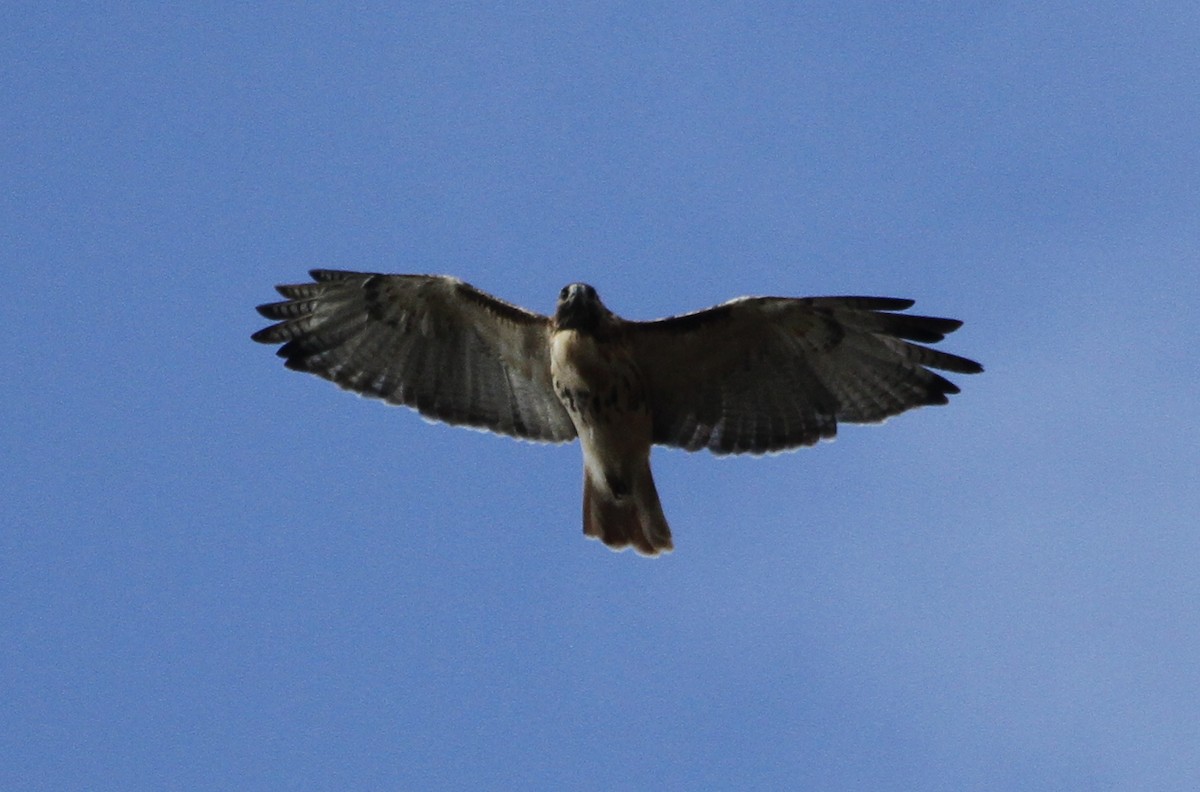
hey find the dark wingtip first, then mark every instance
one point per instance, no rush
(945, 388)
(324, 275)
(869, 303)
(266, 310)
(951, 325)
(264, 336)
(959, 365)
(293, 363)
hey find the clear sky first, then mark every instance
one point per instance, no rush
(218, 574)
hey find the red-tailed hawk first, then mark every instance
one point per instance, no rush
(753, 375)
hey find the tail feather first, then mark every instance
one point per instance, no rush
(633, 519)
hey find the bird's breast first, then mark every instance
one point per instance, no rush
(597, 381)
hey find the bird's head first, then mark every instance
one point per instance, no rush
(579, 308)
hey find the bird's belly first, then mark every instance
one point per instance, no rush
(602, 389)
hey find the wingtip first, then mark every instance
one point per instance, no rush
(265, 310)
(884, 303)
(323, 275)
(264, 336)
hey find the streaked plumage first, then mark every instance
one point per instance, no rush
(753, 375)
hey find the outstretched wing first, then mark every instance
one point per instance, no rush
(762, 374)
(430, 342)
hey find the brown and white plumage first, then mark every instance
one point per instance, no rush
(432, 343)
(762, 374)
(753, 375)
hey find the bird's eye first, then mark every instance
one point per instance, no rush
(562, 295)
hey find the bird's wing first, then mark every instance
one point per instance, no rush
(430, 342)
(762, 374)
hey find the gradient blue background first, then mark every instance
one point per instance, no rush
(217, 574)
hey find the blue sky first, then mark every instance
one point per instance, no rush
(218, 574)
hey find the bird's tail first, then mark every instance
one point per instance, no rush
(623, 514)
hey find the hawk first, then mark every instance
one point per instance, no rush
(753, 375)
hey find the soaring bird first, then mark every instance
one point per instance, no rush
(753, 375)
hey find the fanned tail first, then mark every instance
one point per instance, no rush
(631, 519)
